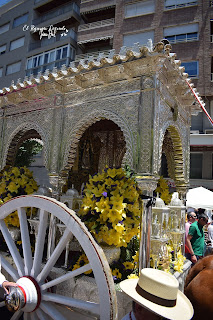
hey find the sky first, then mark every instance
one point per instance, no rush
(2, 2)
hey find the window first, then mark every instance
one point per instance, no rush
(175, 4)
(212, 69)
(211, 3)
(16, 43)
(197, 122)
(212, 165)
(141, 37)
(183, 33)
(12, 68)
(211, 31)
(1, 72)
(139, 8)
(196, 163)
(4, 28)
(20, 20)
(3, 49)
(49, 60)
(191, 68)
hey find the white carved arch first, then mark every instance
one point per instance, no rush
(177, 137)
(22, 129)
(89, 119)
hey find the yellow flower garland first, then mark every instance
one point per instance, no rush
(15, 181)
(110, 207)
(163, 190)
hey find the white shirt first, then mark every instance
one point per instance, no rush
(2, 279)
(127, 316)
(210, 234)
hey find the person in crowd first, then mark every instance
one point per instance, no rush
(199, 288)
(156, 296)
(210, 236)
(191, 217)
(195, 240)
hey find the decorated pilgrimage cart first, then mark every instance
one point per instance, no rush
(130, 110)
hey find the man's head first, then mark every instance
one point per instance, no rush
(157, 296)
(142, 313)
(191, 216)
(203, 219)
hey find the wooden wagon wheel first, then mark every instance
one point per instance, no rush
(30, 273)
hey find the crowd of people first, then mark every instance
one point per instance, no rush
(197, 242)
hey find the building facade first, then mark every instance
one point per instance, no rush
(40, 35)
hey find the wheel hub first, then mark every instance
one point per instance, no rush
(26, 296)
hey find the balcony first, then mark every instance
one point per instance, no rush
(95, 6)
(45, 41)
(89, 1)
(95, 54)
(43, 1)
(181, 5)
(68, 10)
(97, 24)
(49, 66)
(206, 183)
(183, 38)
(96, 31)
(201, 139)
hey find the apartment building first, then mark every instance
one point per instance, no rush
(36, 35)
(27, 46)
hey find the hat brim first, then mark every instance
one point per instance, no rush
(183, 309)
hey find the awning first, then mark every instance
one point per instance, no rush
(95, 39)
(199, 198)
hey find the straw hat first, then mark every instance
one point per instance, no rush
(158, 291)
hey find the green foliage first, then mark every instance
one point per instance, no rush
(27, 150)
(129, 172)
(129, 251)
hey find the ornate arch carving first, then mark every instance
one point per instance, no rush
(174, 152)
(77, 132)
(22, 132)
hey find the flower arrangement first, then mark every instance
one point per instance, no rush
(110, 207)
(163, 190)
(169, 264)
(15, 181)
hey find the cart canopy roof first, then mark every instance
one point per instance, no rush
(199, 198)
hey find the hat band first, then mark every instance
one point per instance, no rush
(151, 297)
